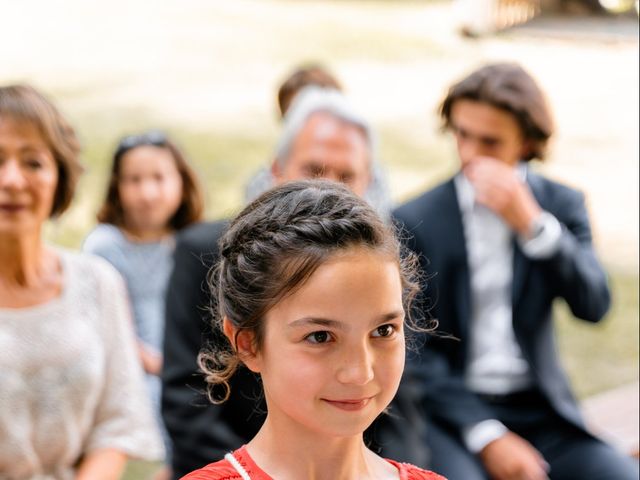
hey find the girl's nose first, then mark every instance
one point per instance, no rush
(149, 190)
(356, 367)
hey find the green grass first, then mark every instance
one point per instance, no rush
(604, 355)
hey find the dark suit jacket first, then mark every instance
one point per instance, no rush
(203, 432)
(434, 229)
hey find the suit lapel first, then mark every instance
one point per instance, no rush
(520, 269)
(453, 236)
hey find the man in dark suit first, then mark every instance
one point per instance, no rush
(502, 243)
(322, 137)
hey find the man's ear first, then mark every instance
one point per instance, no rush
(243, 344)
(276, 170)
(369, 178)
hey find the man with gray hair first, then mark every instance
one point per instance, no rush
(321, 137)
(343, 148)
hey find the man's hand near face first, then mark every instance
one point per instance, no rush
(511, 457)
(498, 187)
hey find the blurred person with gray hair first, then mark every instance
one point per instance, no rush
(322, 137)
(312, 89)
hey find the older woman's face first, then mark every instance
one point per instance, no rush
(28, 178)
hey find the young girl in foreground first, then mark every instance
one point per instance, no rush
(311, 293)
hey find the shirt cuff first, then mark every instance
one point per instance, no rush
(482, 434)
(544, 239)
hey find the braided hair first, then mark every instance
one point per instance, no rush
(274, 245)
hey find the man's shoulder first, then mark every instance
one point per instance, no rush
(548, 190)
(429, 201)
(201, 237)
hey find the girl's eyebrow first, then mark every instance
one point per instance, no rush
(390, 316)
(32, 149)
(327, 322)
(322, 322)
(29, 147)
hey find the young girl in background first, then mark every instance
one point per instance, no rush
(152, 193)
(311, 293)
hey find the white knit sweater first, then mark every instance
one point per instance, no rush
(70, 379)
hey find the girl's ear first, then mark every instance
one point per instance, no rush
(243, 343)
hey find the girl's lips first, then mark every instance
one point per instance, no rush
(350, 405)
(11, 208)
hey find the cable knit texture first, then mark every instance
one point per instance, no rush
(70, 379)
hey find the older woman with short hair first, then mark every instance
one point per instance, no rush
(72, 397)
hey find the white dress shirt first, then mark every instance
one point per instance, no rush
(495, 363)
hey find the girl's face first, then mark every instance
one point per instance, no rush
(28, 178)
(333, 351)
(150, 189)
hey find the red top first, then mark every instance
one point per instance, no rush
(223, 470)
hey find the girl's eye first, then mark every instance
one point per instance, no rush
(33, 163)
(384, 331)
(318, 337)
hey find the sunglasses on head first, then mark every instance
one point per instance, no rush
(152, 137)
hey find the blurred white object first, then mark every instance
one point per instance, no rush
(619, 6)
(483, 17)
(477, 17)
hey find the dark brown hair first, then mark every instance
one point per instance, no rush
(192, 205)
(509, 87)
(24, 104)
(274, 245)
(312, 74)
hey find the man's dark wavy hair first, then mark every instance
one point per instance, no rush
(509, 87)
